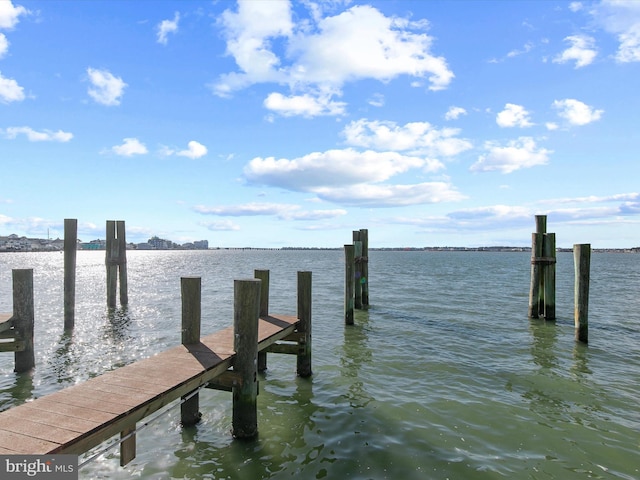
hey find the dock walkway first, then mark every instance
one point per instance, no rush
(78, 418)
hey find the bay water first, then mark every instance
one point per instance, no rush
(443, 377)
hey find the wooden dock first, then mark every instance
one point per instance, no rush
(78, 418)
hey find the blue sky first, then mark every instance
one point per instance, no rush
(274, 123)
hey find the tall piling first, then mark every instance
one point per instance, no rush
(364, 268)
(23, 318)
(246, 306)
(70, 253)
(191, 294)
(349, 279)
(116, 262)
(542, 292)
(582, 263)
(357, 271)
(304, 315)
(263, 276)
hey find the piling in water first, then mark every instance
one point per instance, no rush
(582, 262)
(246, 311)
(263, 276)
(70, 252)
(542, 292)
(304, 315)
(23, 318)
(116, 261)
(191, 293)
(349, 280)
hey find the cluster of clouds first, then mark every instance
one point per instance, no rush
(10, 90)
(315, 64)
(132, 146)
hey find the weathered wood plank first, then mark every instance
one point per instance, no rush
(6, 321)
(23, 444)
(53, 419)
(33, 428)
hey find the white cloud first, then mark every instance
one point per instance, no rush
(283, 211)
(551, 126)
(576, 6)
(417, 137)
(517, 154)
(107, 88)
(323, 53)
(10, 91)
(575, 112)
(582, 50)
(166, 27)
(130, 147)
(367, 195)
(34, 136)
(517, 52)
(10, 14)
(513, 116)
(221, 226)
(4, 45)
(333, 167)
(454, 113)
(621, 18)
(376, 100)
(194, 150)
(305, 105)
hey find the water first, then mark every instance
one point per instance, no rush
(444, 377)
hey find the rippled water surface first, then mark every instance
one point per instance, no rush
(444, 377)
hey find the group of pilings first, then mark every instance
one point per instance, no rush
(250, 302)
(356, 291)
(542, 293)
(115, 260)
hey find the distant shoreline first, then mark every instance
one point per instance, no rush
(379, 249)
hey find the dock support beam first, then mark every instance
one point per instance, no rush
(304, 315)
(23, 318)
(246, 311)
(70, 253)
(582, 263)
(116, 260)
(191, 292)
(263, 276)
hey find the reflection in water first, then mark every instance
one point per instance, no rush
(356, 353)
(545, 336)
(15, 389)
(117, 327)
(580, 366)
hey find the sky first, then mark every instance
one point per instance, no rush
(275, 123)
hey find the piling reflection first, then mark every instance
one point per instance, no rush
(15, 389)
(356, 353)
(117, 328)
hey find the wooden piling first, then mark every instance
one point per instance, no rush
(23, 318)
(349, 278)
(582, 262)
(122, 262)
(191, 293)
(549, 281)
(246, 305)
(542, 293)
(364, 279)
(116, 261)
(263, 275)
(304, 315)
(70, 253)
(357, 285)
(534, 291)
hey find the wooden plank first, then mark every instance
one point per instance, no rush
(33, 428)
(51, 405)
(53, 419)
(24, 444)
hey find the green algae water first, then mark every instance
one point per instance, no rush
(444, 377)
